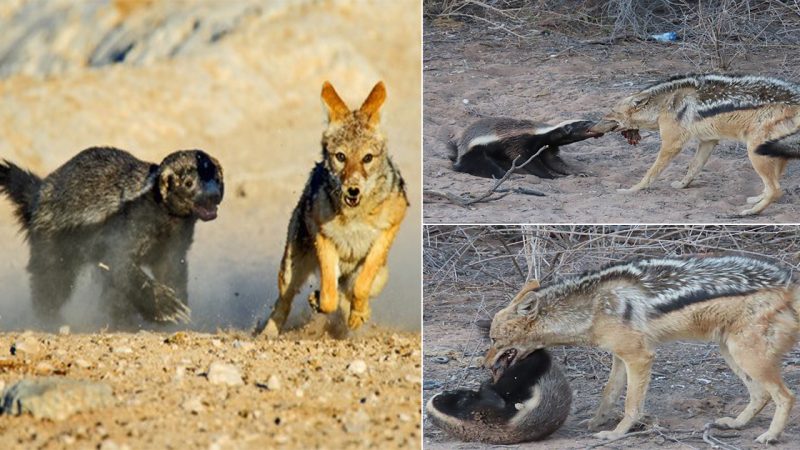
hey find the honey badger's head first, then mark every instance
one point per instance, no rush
(190, 184)
(528, 324)
(353, 146)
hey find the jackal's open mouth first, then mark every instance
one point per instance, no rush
(352, 201)
(503, 362)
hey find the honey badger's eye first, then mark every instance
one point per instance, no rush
(367, 158)
(340, 157)
(188, 183)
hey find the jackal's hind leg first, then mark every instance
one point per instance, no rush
(296, 265)
(700, 158)
(770, 169)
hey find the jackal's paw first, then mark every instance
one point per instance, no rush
(313, 301)
(754, 200)
(357, 318)
(749, 212)
(596, 422)
(679, 184)
(728, 422)
(629, 190)
(609, 435)
(271, 330)
(768, 438)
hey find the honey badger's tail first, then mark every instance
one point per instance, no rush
(787, 146)
(22, 187)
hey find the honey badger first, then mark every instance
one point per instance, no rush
(528, 402)
(107, 208)
(489, 146)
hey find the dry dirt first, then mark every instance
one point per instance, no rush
(164, 400)
(474, 71)
(691, 384)
(250, 98)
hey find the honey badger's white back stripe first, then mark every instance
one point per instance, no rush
(524, 409)
(545, 130)
(661, 285)
(483, 140)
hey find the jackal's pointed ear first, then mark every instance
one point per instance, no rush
(372, 105)
(529, 307)
(337, 109)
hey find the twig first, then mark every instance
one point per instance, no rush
(714, 442)
(487, 195)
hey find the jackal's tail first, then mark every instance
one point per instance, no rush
(787, 146)
(22, 187)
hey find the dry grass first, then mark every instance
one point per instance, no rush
(711, 34)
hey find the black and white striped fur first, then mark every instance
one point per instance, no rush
(488, 147)
(648, 288)
(528, 402)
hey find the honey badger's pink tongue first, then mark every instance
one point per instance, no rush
(206, 213)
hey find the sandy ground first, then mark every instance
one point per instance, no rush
(471, 72)
(164, 400)
(250, 98)
(691, 384)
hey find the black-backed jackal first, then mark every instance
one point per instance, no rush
(764, 113)
(748, 306)
(347, 217)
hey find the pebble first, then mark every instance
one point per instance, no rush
(64, 330)
(108, 444)
(273, 383)
(440, 359)
(222, 373)
(194, 405)
(431, 384)
(26, 346)
(244, 345)
(357, 367)
(122, 350)
(82, 363)
(55, 398)
(357, 422)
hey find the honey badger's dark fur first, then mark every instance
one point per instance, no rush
(527, 404)
(489, 146)
(106, 208)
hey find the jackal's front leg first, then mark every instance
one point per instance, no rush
(373, 267)
(671, 145)
(328, 259)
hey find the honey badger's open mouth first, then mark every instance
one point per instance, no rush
(503, 362)
(206, 212)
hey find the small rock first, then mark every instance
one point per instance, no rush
(44, 367)
(122, 350)
(222, 373)
(108, 444)
(194, 405)
(273, 383)
(82, 363)
(404, 417)
(244, 345)
(440, 359)
(357, 422)
(180, 372)
(55, 398)
(26, 346)
(64, 330)
(181, 337)
(282, 439)
(357, 367)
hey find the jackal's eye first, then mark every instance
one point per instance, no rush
(367, 158)
(188, 183)
(340, 157)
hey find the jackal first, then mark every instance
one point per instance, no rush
(347, 217)
(749, 306)
(488, 147)
(763, 113)
(528, 402)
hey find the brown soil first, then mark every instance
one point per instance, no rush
(471, 72)
(158, 387)
(691, 384)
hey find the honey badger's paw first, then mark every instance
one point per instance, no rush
(609, 435)
(168, 307)
(357, 318)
